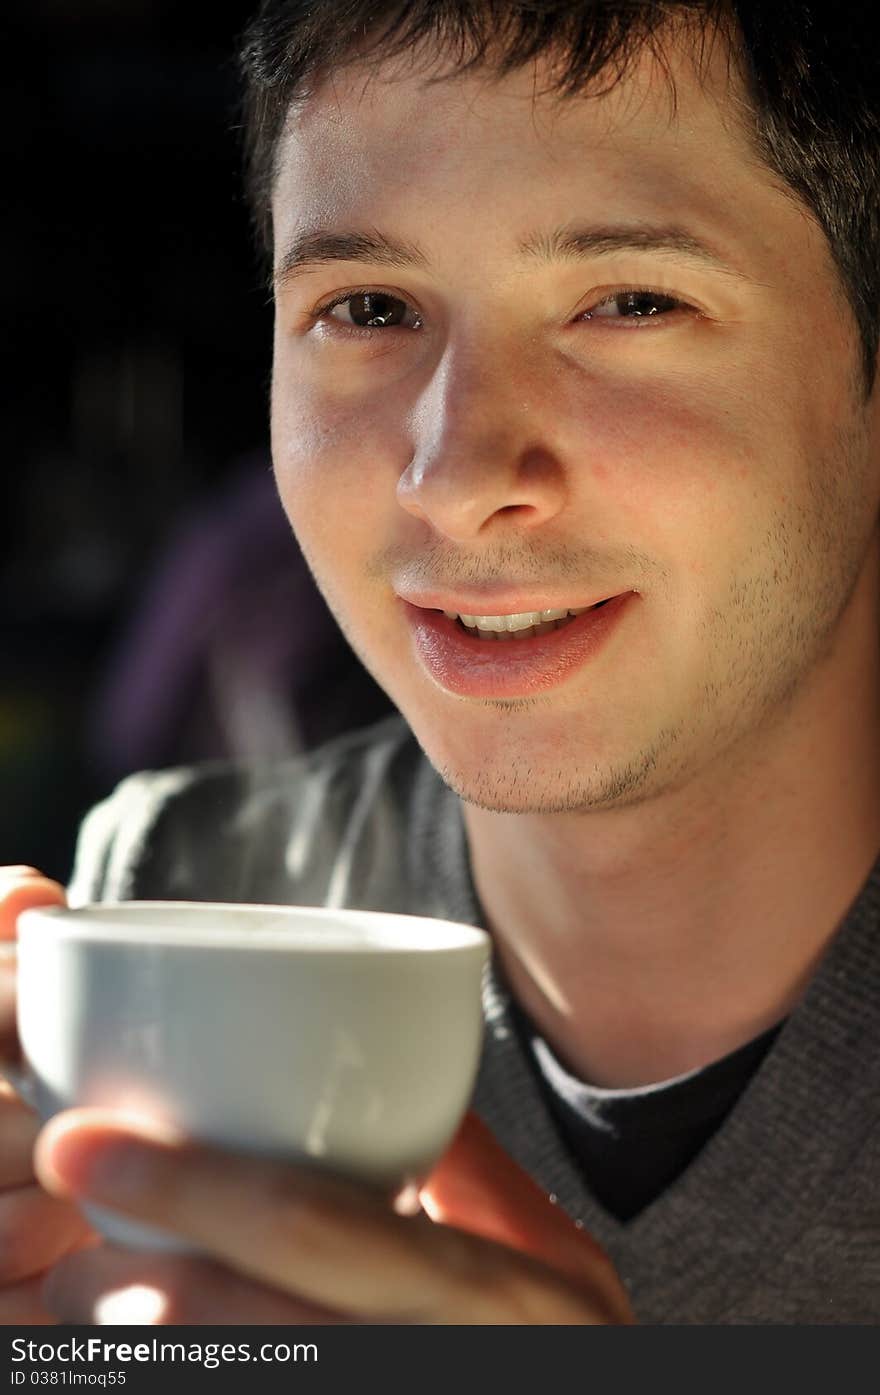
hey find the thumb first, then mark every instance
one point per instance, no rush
(477, 1187)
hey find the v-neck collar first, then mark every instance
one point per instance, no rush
(762, 1177)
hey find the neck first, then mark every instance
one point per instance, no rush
(648, 941)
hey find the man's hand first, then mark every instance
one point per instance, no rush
(35, 1229)
(284, 1245)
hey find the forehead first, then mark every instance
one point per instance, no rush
(667, 143)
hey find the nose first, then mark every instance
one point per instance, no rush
(482, 447)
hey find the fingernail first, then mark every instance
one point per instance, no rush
(72, 1158)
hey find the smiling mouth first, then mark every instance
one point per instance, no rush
(484, 633)
(466, 661)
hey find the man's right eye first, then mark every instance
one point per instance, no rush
(367, 312)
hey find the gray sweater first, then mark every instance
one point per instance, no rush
(777, 1219)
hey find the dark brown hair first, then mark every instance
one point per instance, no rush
(810, 70)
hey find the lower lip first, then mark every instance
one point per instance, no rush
(514, 667)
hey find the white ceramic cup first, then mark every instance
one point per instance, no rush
(343, 1039)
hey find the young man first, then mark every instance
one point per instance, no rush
(591, 318)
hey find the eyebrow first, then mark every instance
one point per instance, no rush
(319, 246)
(576, 244)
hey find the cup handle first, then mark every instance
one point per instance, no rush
(20, 1077)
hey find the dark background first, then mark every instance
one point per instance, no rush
(136, 333)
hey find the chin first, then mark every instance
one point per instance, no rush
(507, 765)
(489, 764)
(499, 797)
(519, 789)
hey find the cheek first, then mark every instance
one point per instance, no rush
(666, 466)
(327, 468)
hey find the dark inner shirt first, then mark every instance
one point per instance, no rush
(631, 1145)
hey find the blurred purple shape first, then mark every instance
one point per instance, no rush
(231, 650)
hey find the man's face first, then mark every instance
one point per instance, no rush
(488, 446)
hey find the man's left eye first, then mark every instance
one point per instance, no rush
(635, 306)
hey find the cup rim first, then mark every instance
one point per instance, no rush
(123, 922)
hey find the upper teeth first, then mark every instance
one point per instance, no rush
(522, 621)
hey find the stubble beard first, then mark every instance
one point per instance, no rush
(776, 623)
(775, 627)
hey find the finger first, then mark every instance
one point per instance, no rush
(478, 1187)
(107, 1285)
(15, 871)
(276, 1225)
(35, 1231)
(22, 888)
(22, 1305)
(19, 1128)
(10, 1050)
(307, 1234)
